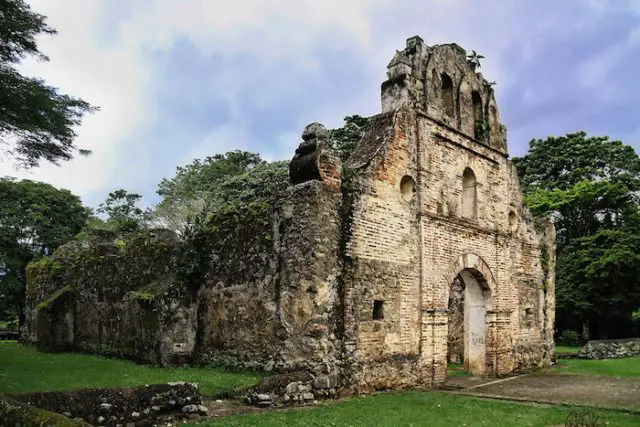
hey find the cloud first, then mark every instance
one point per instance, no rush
(191, 78)
(114, 79)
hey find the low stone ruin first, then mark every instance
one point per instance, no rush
(610, 349)
(110, 407)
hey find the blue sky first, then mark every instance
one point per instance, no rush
(177, 80)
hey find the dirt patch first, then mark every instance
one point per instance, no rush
(611, 392)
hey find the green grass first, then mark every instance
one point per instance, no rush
(420, 409)
(626, 367)
(567, 349)
(8, 326)
(24, 369)
(457, 370)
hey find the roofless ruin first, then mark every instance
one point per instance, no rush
(418, 250)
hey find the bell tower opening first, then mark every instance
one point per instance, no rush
(448, 106)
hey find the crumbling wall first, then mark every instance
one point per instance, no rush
(381, 275)
(440, 135)
(144, 405)
(275, 303)
(117, 299)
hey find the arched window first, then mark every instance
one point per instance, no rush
(478, 118)
(447, 95)
(468, 194)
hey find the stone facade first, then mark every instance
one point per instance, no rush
(418, 250)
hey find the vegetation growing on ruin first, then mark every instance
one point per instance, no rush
(45, 268)
(240, 194)
(53, 297)
(13, 413)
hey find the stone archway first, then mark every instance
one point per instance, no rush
(469, 297)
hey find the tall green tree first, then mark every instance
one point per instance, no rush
(346, 139)
(212, 183)
(35, 219)
(123, 213)
(589, 186)
(36, 120)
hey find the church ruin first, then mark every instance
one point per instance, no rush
(417, 251)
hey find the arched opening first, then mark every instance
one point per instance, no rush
(447, 95)
(407, 187)
(469, 194)
(513, 222)
(479, 125)
(469, 300)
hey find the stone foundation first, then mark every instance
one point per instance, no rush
(610, 349)
(120, 406)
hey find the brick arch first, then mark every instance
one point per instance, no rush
(477, 267)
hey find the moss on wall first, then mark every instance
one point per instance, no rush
(19, 414)
(114, 298)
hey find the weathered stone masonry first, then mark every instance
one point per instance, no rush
(438, 199)
(365, 257)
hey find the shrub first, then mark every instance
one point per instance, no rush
(570, 337)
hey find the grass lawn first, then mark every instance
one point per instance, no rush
(420, 409)
(457, 370)
(626, 367)
(24, 369)
(567, 349)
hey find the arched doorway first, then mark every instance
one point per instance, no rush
(469, 300)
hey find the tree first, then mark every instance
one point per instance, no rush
(222, 206)
(589, 186)
(35, 219)
(124, 216)
(36, 121)
(206, 184)
(346, 138)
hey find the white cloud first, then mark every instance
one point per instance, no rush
(116, 74)
(114, 79)
(116, 64)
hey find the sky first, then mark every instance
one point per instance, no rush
(182, 79)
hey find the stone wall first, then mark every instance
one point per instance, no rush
(610, 349)
(14, 413)
(141, 406)
(116, 300)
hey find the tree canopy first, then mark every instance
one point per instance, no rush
(217, 183)
(123, 213)
(589, 186)
(36, 120)
(35, 219)
(346, 138)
